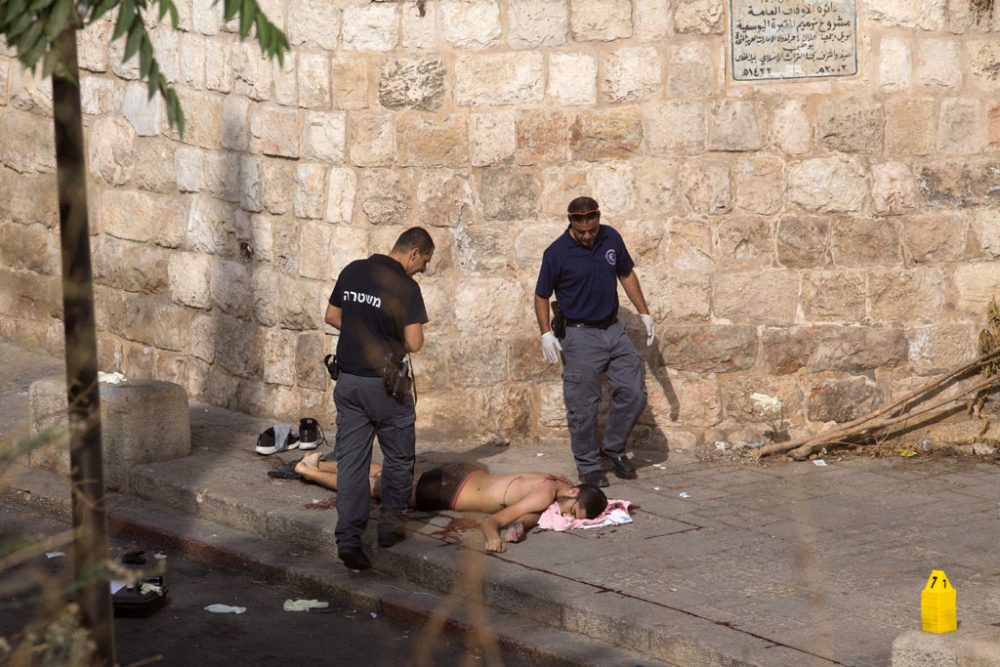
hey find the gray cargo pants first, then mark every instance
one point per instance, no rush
(365, 410)
(586, 354)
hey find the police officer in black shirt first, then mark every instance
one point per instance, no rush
(379, 310)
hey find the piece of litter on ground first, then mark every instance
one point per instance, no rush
(673, 589)
(224, 609)
(819, 462)
(683, 494)
(111, 378)
(116, 586)
(540, 454)
(720, 445)
(659, 466)
(150, 588)
(159, 555)
(656, 488)
(373, 614)
(54, 554)
(199, 496)
(304, 605)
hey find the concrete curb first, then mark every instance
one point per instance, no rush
(285, 561)
(977, 646)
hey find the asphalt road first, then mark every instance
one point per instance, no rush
(184, 633)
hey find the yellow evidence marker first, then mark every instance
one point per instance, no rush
(938, 604)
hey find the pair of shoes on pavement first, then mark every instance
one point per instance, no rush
(354, 558)
(621, 466)
(283, 438)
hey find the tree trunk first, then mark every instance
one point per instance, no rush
(90, 543)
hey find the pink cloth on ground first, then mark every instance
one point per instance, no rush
(552, 518)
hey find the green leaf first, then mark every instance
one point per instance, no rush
(136, 36)
(145, 58)
(13, 9)
(230, 8)
(37, 6)
(263, 31)
(101, 9)
(59, 18)
(173, 16)
(22, 23)
(247, 13)
(126, 15)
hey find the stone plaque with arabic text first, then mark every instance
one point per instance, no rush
(792, 39)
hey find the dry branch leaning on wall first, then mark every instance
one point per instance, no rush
(921, 404)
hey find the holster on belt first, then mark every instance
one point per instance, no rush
(558, 321)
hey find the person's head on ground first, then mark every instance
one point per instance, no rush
(584, 501)
(413, 249)
(584, 220)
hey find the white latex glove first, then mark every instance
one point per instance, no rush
(647, 321)
(551, 348)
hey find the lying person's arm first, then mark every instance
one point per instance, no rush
(526, 512)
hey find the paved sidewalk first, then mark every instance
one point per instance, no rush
(773, 565)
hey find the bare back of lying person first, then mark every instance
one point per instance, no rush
(513, 502)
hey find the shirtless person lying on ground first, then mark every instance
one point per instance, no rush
(514, 502)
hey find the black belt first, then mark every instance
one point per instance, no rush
(592, 324)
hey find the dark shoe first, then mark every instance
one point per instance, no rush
(390, 537)
(621, 466)
(354, 558)
(597, 478)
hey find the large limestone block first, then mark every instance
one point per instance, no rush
(938, 347)
(508, 194)
(860, 242)
(498, 79)
(850, 349)
(491, 305)
(760, 185)
(310, 190)
(600, 20)
(908, 296)
(827, 184)
(313, 22)
(984, 55)
(653, 20)
(412, 83)
(975, 286)
(791, 129)
(745, 243)
(371, 27)
(324, 136)
(613, 185)
(491, 138)
(537, 23)
(851, 125)
(340, 195)
(894, 65)
(385, 196)
(419, 25)
(98, 95)
(111, 150)
(374, 142)
(142, 216)
(470, 24)
(631, 74)
(424, 141)
(733, 126)
(445, 199)
(313, 80)
(27, 141)
(691, 72)
(613, 134)
(542, 137)
(910, 126)
(893, 188)
(707, 186)
(676, 128)
(833, 296)
(146, 115)
(36, 248)
(573, 78)
(710, 349)
(803, 242)
(938, 63)
(349, 83)
(142, 421)
(923, 14)
(769, 296)
(842, 400)
(275, 131)
(699, 17)
(934, 238)
(962, 126)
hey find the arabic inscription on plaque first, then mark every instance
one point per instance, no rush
(792, 39)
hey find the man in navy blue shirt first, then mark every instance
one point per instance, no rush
(379, 310)
(583, 267)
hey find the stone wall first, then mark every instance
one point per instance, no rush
(829, 241)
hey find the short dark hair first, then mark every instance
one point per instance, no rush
(414, 237)
(593, 500)
(582, 205)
